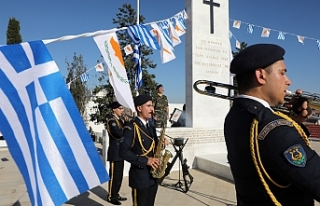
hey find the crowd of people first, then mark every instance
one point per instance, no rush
(269, 153)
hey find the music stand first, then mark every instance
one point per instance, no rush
(178, 146)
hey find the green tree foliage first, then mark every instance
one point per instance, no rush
(243, 45)
(13, 32)
(78, 89)
(126, 17)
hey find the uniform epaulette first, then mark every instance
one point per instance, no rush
(260, 114)
(109, 119)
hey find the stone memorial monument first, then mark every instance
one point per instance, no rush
(207, 57)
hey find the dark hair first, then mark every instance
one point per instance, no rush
(160, 85)
(246, 81)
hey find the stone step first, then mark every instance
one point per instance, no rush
(215, 164)
(3, 143)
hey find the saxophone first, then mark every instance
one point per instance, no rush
(164, 158)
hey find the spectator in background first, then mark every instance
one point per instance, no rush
(161, 107)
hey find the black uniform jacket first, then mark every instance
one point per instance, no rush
(132, 151)
(115, 132)
(304, 179)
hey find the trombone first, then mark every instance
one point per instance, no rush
(210, 90)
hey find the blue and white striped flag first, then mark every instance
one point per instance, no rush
(282, 35)
(250, 28)
(318, 45)
(84, 77)
(141, 35)
(44, 131)
(138, 69)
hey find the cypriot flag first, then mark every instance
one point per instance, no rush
(300, 39)
(166, 52)
(236, 24)
(265, 32)
(111, 52)
(128, 49)
(173, 34)
(99, 67)
(179, 26)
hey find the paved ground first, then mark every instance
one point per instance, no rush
(205, 190)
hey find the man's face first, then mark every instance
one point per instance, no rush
(277, 83)
(160, 90)
(118, 111)
(146, 110)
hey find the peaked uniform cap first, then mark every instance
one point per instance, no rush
(142, 99)
(115, 105)
(256, 56)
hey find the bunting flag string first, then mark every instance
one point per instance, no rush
(238, 44)
(266, 32)
(84, 76)
(179, 15)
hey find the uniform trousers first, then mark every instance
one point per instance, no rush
(144, 197)
(116, 176)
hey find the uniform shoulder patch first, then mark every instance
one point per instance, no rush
(114, 124)
(271, 125)
(127, 127)
(296, 155)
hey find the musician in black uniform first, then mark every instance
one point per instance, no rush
(114, 127)
(269, 154)
(138, 147)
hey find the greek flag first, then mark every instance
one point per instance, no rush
(281, 36)
(44, 131)
(250, 28)
(84, 77)
(141, 34)
(138, 69)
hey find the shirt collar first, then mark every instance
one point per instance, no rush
(143, 121)
(116, 116)
(263, 102)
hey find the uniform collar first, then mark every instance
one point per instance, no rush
(144, 122)
(116, 116)
(261, 101)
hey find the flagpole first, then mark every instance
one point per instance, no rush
(138, 11)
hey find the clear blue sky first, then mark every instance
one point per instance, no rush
(47, 19)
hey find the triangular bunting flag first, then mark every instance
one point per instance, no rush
(185, 15)
(236, 24)
(250, 28)
(172, 32)
(84, 77)
(238, 45)
(166, 52)
(99, 67)
(318, 44)
(265, 32)
(282, 35)
(300, 39)
(128, 49)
